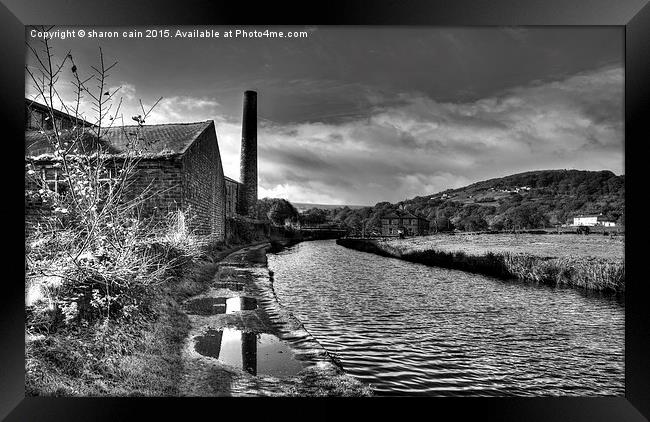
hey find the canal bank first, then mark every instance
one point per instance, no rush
(242, 342)
(586, 272)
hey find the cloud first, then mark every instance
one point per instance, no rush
(180, 108)
(174, 109)
(417, 146)
(124, 90)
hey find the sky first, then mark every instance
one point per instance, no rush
(360, 115)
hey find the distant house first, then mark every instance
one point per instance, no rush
(403, 222)
(593, 220)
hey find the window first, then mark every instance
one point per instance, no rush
(54, 181)
(106, 180)
(48, 122)
(57, 183)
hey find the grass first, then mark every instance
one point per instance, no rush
(136, 357)
(590, 262)
(551, 245)
(140, 357)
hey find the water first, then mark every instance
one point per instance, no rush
(257, 354)
(409, 329)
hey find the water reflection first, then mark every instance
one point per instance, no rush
(240, 303)
(254, 353)
(220, 305)
(206, 306)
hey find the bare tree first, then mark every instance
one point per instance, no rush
(96, 235)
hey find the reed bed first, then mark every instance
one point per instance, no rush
(593, 263)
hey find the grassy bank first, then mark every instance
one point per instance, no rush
(590, 262)
(137, 356)
(111, 324)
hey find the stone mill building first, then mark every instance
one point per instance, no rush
(181, 164)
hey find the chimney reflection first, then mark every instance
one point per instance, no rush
(252, 352)
(249, 353)
(240, 303)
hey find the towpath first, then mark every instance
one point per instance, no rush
(242, 342)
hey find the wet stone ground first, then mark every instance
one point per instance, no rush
(242, 342)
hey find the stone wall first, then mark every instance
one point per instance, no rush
(204, 188)
(232, 197)
(157, 181)
(160, 183)
(245, 230)
(36, 210)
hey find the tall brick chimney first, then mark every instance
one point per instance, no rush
(248, 163)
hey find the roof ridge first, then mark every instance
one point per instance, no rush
(162, 124)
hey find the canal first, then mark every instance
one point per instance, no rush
(409, 329)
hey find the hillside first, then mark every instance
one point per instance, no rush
(534, 199)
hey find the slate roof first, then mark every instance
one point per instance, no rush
(156, 140)
(34, 105)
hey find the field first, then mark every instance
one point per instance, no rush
(547, 246)
(593, 262)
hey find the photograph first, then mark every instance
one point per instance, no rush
(325, 210)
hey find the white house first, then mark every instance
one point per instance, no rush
(592, 220)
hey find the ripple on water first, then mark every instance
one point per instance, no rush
(411, 329)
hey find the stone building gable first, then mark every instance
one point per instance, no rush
(204, 187)
(181, 169)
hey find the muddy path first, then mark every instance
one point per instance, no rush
(242, 342)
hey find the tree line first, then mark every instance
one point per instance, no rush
(531, 200)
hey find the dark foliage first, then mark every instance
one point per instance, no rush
(275, 210)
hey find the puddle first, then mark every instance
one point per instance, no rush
(220, 305)
(257, 354)
(206, 306)
(240, 303)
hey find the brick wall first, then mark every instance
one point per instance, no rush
(204, 188)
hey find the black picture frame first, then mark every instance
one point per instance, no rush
(633, 15)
